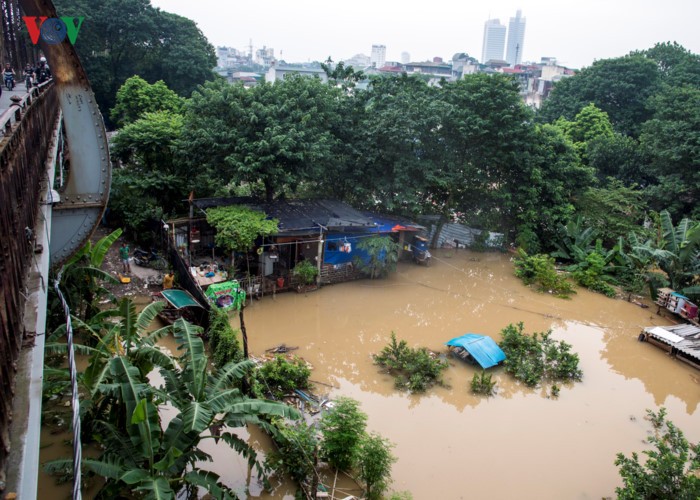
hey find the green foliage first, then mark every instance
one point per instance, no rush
(157, 46)
(620, 87)
(414, 369)
(591, 274)
(281, 376)
(136, 97)
(383, 254)
(277, 134)
(306, 272)
(539, 270)
(671, 467)
(374, 462)
(672, 138)
(82, 281)
(613, 210)
(223, 339)
(342, 428)
(297, 444)
(535, 358)
(237, 227)
(482, 384)
(138, 453)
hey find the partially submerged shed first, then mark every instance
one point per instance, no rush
(480, 348)
(680, 341)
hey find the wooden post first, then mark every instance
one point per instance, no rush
(319, 256)
(244, 335)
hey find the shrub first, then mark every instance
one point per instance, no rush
(306, 272)
(537, 357)
(590, 274)
(342, 429)
(482, 384)
(296, 445)
(414, 369)
(374, 465)
(539, 270)
(281, 376)
(223, 339)
(670, 470)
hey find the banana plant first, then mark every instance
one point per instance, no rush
(140, 455)
(82, 279)
(574, 241)
(676, 252)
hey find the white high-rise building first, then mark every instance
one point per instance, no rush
(405, 58)
(494, 41)
(516, 39)
(378, 57)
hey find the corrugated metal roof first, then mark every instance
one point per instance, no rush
(482, 348)
(180, 298)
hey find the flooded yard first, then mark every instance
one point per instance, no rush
(519, 444)
(449, 443)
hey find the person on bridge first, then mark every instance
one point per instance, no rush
(28, 75)
(43, 73)
(8, 73)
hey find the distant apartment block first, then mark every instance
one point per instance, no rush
(378, 57)
(494, 41)
(265, 56)
(516, 39)
(358, 61)
(405, 58)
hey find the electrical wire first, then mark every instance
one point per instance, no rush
(75, 402)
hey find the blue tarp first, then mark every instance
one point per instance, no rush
(336, 249)
(482, 348)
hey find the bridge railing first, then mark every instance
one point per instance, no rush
(26, 130)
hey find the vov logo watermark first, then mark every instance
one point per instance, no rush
(53, 30)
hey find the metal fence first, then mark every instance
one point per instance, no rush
(27, 128)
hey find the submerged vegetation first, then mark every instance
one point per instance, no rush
(539, 271)
(670, 469)
(537, 358)
(415, 369)
(482, 383)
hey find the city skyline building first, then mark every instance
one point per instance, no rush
(405, 58)
(516, 39)
(378, 56)
(494, 41)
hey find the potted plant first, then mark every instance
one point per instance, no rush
(306, 272)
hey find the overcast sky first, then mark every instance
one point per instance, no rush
(576, 32)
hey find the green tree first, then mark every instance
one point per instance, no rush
(137, 97)
(382, 255)
(589, 124)
(238, 227)
(671, 467)
(342, 429)
(678, 66)
(613, 210)
(123, 38)
(273, 134)
(672, 138)
(297, 444)
(620, 87)
(374, 465)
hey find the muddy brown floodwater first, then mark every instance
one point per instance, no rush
(451, 444)
(520, 444)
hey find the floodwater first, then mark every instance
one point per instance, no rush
(452, 444)
(519, 444)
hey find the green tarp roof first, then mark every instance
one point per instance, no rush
(180, 298)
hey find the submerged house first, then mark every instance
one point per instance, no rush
(323, 232)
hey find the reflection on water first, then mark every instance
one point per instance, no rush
(450, 443)
(519, 443)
